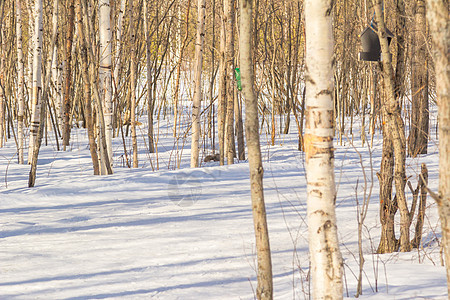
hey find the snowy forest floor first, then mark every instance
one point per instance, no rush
(188, 233)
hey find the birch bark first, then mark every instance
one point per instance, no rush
(326, 260)
(118, 49)
(178, 78)
(54, 90)
(29, 70)
(150, 99)
(105, 74)
(45, 92)
(88, 26)
(199, 45)
(87, 90)
(67, 108)
(20, 83)
(37, 79)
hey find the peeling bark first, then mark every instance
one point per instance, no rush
(326, 259)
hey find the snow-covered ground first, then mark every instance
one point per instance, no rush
(187, 233)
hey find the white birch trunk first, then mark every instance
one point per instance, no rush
(43, 98)
(54, 81)
(56, 91)
(29, 70)
(326, 260)
(59, 96)
(37, 78)
(105, 74)
(176, 50)
(52, 62)
(118, 47)
(198, 83)
(150, 98)
(182, 46)
(54, 74)
(20, 85)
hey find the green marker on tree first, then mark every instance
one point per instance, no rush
(237, 74)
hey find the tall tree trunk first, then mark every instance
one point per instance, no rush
(29, 70)
(45, 90)
(105, 73)
(392, 116)
(326, 260)
(88, 26)
(437, 15)
(178, 78)
(52, 70)
(133, 83)
(2, 78)
(198, 83)
(117, 55)
(20, 83)
(388, 206)
(422, 195)
(150, 99)
(54, 89)
(265, 282)
(222, 92)
(68, 74)
(211, 112)
(229, 29)
(87, 89)
(37, 79)
(418, 133)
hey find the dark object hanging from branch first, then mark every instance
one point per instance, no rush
(371, 43)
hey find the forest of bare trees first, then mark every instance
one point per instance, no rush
(225, 71)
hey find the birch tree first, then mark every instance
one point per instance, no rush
(326, 260)
(264, 273)
(229, 13)
(182, 45)
(133, 84)
(150, 99)
(20, 83)
(55, 91)
(199, 45)
(105, 73)
(37, 79)
(44, 94)
(87, 91)
(93, 81)
(30, 50)
(118, 48)
(437, 15)
(67, 108)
